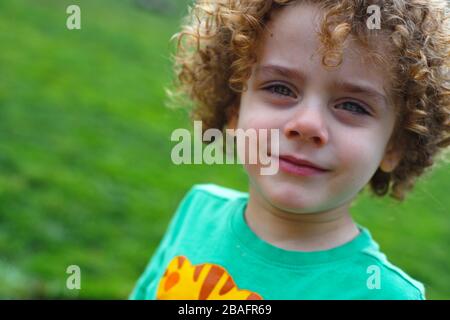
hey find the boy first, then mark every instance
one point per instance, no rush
(354, 106)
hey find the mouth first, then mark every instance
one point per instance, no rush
(300, 167)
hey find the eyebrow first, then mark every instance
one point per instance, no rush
(361, 89)
(279, 70)
(298, 75)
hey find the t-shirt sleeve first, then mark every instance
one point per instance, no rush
(397, 285)
(155, 264)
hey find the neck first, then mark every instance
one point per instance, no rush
(299, 232)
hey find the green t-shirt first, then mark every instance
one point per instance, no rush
(209, 252)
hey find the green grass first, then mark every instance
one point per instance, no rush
(85, 170)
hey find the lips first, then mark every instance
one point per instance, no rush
(301, 162)
(300, 166)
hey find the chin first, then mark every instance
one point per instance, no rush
(288, 198)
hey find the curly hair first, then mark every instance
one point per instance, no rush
(216, 50)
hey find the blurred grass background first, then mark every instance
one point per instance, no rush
(85, 170)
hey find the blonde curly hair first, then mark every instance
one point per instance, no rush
(216, 51)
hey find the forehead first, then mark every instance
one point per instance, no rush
(291, 40)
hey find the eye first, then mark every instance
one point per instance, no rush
(281, 90)
(353, 107)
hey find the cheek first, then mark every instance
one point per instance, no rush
(253, 113)
(360, 155)
(257, 120)
(265, 128)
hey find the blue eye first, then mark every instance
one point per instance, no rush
(281, 90)
(354, 108)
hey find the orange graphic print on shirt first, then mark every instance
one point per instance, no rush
(207, 281)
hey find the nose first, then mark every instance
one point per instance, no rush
(307, 124)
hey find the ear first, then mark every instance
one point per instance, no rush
(391, 158)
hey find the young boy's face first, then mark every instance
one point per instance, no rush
(318, 117)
